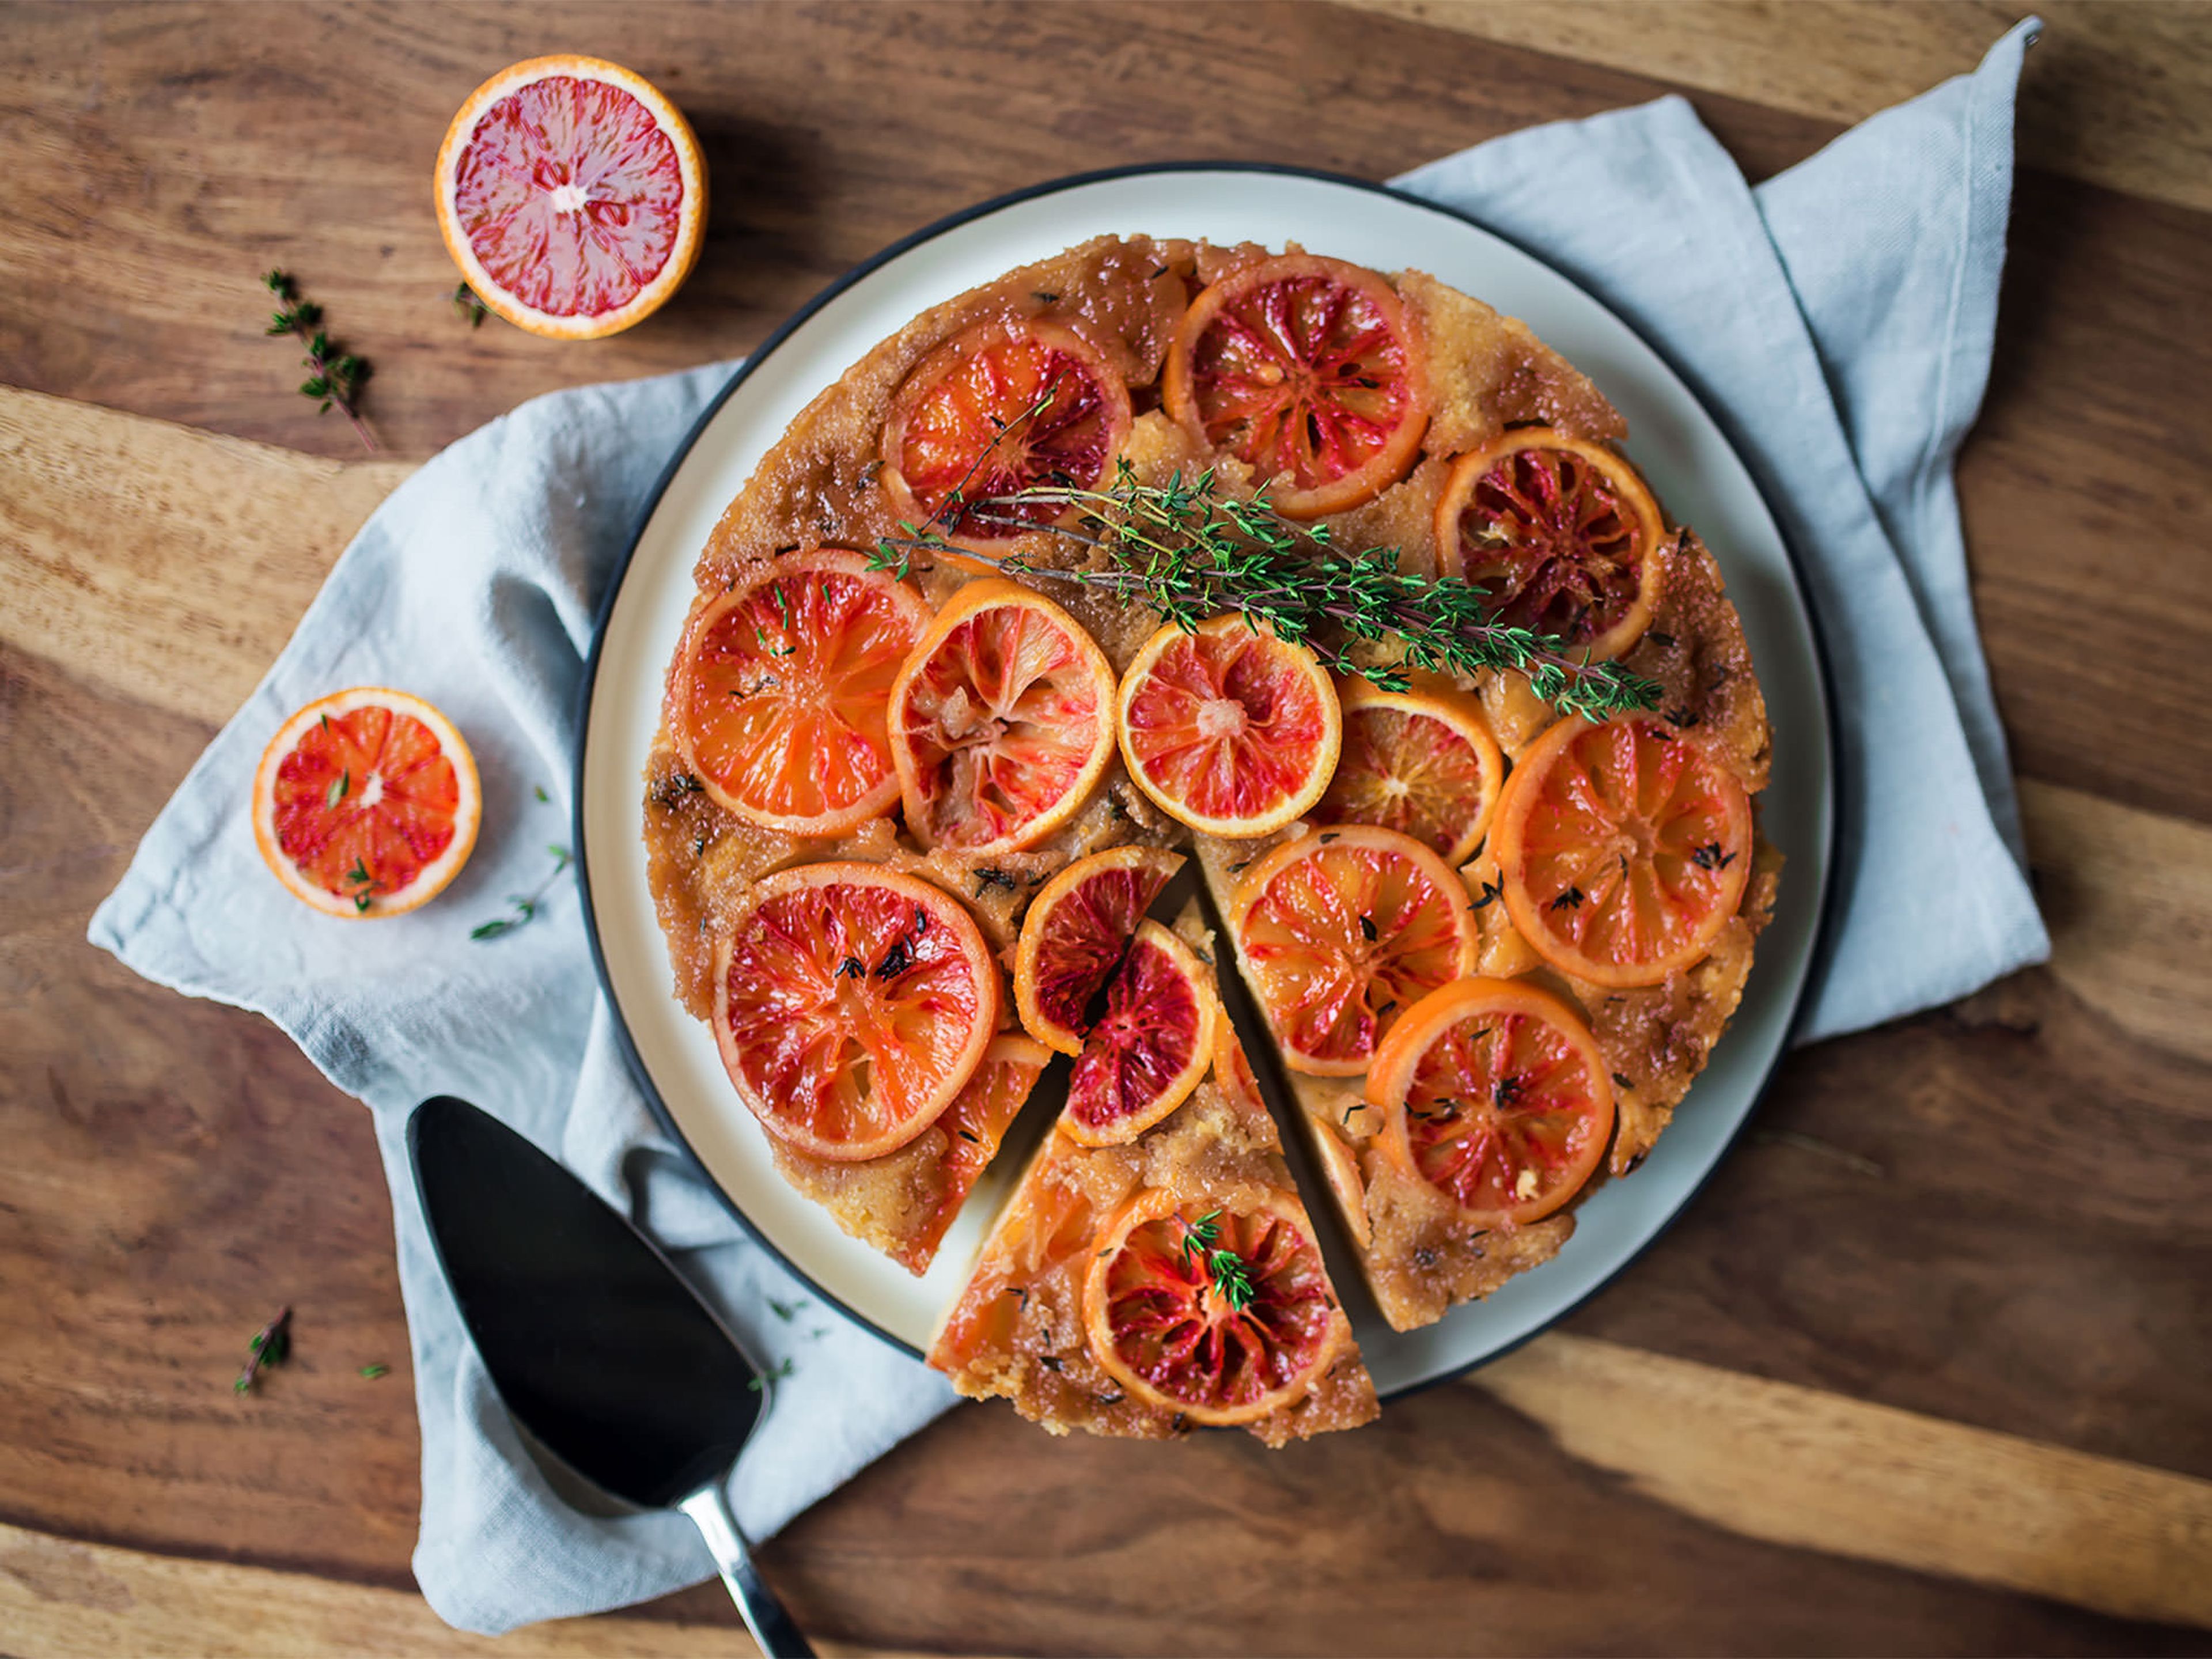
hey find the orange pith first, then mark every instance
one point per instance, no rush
(1308, 370)
(852, 1004)
(1159, 1322)
(1420, 762)
(365, 802)
(1075, 934)
(1001, 721)
(1228, 728)
(973, 1126)
(1494, 1093)
(1561, 531)
(1339, 931)
(777, 695)
(573, 196)
(1150, 1047)
(1622, 849)
(1002, 408)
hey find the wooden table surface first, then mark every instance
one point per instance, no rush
(1923, 1369)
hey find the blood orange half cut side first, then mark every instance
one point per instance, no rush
(1229, 728)
(1308, 370)
(1622, 848)
(365, 802)
(1563, 534)
(1494, 1093)
(1222, 1314)
(1339, 931)
(1076, 933)
(1421, 762)
(852, 1004)
(1003, 407)
(777, 695)
(1150, 1049)
(573, 195)
(1001, 721)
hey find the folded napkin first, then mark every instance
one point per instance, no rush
(1837, 320)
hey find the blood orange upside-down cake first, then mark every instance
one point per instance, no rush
(1334, 578)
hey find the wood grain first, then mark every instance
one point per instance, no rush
(2117, 95)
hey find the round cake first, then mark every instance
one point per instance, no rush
(1331, 585)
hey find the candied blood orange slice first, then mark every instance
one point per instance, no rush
(1076, 933)
(1224, 1315)
(1002, 408)
(1494, 1093)
(1001, 721)
(573, 196)
(973, 1126)
(1339, 931)
(1229, 728)
(852, 1004)
(1308, 370)
(1053, 1219)
(1421, 762)
(365, 802)
(1563, 534)
(1622, 848)
(1149, 1050)
(777, 695)
(1232, 1070)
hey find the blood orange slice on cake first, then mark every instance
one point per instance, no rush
(1494, 1093)
(1076, 933)
(365, 802)
(777, 695)
(1421, 762)
(1308, 370)
(1150, 1047)
(1228, 728)
(852, 1004)
(1622, 848)
(573, 196)
(1001, 721)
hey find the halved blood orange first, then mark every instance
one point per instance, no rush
(1310, 371)
(1622, 848)
(973, 1126)
(365, 802)
(1228, 728)
(1562, 532)
(1149, 1050)
(1001, 721)
(1004, 407)
(852, 1004)
(1421, 762)
(1493, 1092)
(1075, 934)
(1160, 1321)
(1339, 931)
(777, 695)
(573, 195)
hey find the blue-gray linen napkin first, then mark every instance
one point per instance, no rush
(1837, 320)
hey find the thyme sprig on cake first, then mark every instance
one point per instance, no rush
(1189, 549)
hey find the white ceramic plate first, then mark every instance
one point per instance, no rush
(1674, 440)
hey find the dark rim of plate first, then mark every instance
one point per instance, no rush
(1824, 927)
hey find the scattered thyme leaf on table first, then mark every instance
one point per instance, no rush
(335, 375)
(525, 904)
(470, 310)
(271, 1346)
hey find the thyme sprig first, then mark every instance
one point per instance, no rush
(271, 1346)
(335, 376)
(1231, 1273)
(525, 904)
(1189, 551)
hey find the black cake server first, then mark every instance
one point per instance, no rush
(598, 1346)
